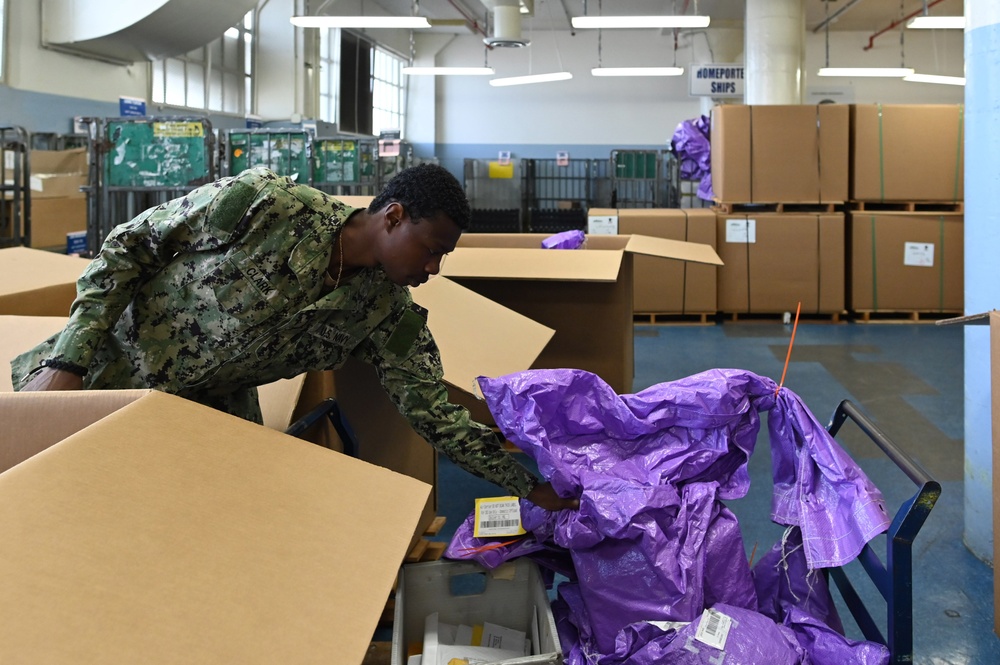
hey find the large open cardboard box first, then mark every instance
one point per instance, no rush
(665, 286)
(169, 532)
(475, 337)
(775, 260)
(790, 154)
(584, 295)
(991, 319)
(38, 283)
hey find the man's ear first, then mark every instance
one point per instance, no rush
(394, 214)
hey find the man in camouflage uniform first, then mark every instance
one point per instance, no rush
(255, 278)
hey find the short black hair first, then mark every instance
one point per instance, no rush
(425, 191)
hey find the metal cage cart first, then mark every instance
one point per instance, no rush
(56, 141)
(15, 183)
(287, 152)
(556, 197)
(345, 165)
(893, 578)
(494, 193)
(391, 164)
(644, 179)
(138, 163)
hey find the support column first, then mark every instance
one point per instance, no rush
(982, 271)
(775, 51)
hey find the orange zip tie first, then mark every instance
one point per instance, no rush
(788, 357)
(488, 547)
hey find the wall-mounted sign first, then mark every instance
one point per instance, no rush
(131, 106)
(504, 157)
(562, 158)
(717, 80)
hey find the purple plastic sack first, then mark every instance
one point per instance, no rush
(652, 540)
(572, 239)
(691, 143)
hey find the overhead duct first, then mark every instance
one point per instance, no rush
(506, 29)
(138, 29)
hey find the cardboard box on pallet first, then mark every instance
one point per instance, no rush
(906, 261)
(775, 260)
(585, 295)
(58, 206)
(665, 286)
(780, 154)
(907, 152)
(162, 517)
(475, 337)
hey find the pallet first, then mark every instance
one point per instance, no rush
(733, 208)
(907, 206)
(689, 319)
(786, 318)
(901, 316)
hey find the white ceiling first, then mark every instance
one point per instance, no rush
(858, 15)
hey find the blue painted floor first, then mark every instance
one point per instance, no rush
(908, 379)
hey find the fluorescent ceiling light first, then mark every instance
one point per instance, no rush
(413, 22)
(637, 71)
(888, 72)
(681, 21)
(448, 71)
(937, 22)
(934, 78)
(534, 78)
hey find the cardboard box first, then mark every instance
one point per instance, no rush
(774, 261)
(664, 285)
(475, 337)
(585, 295)
(907, 152)
(513, 596)
(52, 219)
(170, 532)
(788, 154)
(38, 283)
(906, 261)
(991, 319)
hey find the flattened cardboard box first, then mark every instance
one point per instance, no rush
(38, 283)
(774, 261)
(992, 319)
(906, 261)
(170, 532)
(907, 152)
(790, 154)
(585, 295)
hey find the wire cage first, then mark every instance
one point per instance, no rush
(287, 152)
(345, 165)
(494, 193)
(138, 163)
(15, 183)
(556, 194)
(644, 179)
(57, 141)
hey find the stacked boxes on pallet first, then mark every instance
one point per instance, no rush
(778, 173)
(905, 226)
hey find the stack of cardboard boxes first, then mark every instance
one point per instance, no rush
(783, 177)
(58, 206)
(905, 226)
(779, 173)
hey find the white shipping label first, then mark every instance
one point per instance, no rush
(918, 254)
(499, 516)
(741, 230)
(713, 629)
(603, 225)
(8, 159)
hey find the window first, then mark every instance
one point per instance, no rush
(215, 77)
(361, 84)
(3, 38)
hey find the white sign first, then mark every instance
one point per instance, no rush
(717, 80)
(606, 225)
(504, 157)
(741, 230)
(562, 158)
(918, 254)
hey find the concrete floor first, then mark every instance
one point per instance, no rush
(908, 379)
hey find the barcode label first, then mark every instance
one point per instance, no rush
(713, 629)
(499, 516)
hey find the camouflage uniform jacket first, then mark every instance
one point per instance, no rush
(212, 294)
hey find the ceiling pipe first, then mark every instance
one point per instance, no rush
(897, 23)
(835, 15)
(473, 23)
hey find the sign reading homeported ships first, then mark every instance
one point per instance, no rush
(717, 80)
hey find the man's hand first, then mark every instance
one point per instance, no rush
(54, 379)
(545, 497)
